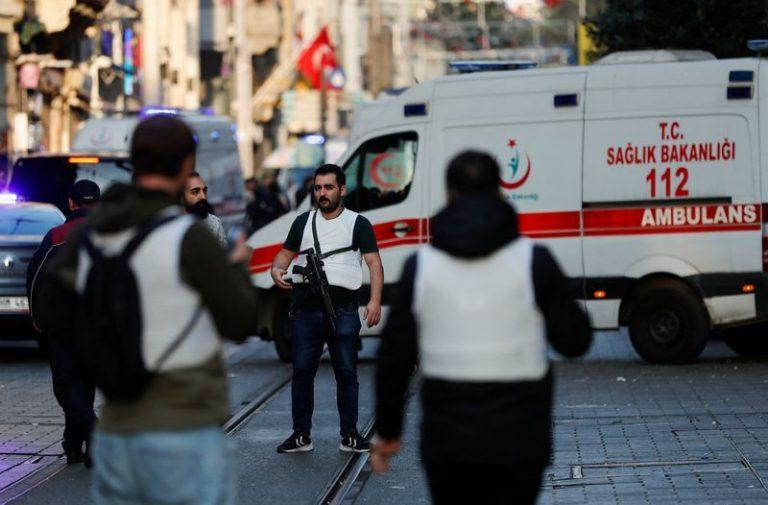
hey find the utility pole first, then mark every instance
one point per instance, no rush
(350, 20)
(191, 56)
(151, 21)
(482, 20)
(243, 89)
(379, 58)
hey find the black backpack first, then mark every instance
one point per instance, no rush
(109, 333)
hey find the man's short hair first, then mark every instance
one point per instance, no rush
(330, 168)
(160, 144)
(473, 173)
(194, 174)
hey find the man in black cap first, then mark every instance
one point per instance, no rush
(73, 390)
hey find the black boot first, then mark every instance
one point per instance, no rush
(74, 453)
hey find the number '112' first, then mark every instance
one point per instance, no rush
(665, 182)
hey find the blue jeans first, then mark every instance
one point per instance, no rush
(191, 467)
(309, 331)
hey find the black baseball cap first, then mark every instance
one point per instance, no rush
(85, 191)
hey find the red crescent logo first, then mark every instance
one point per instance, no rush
(517, 184)
(376, 176)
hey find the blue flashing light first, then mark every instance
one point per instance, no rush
(8, 198)
(470, 67)
(415, 109)
(315, 139)
(215, 135)
(207, 111)
(758, 45)
(158, 111)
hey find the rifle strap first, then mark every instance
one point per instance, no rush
(314, 234)
(317, 242)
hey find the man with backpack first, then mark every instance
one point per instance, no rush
(154, 294)
(73, 388)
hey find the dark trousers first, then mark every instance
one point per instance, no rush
(309, 331)
(454, 484)
(74, 391)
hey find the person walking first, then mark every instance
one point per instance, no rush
(344, 239)
(163, 443)
(475, 310)
(195, 201)
(73, 388)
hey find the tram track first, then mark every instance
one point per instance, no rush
(241, 417)
(341, 484)
(52, 465)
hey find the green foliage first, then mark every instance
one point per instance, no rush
(719, 26)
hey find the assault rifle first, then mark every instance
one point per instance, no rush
(314, 275)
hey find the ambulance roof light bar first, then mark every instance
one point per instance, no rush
(470, 66)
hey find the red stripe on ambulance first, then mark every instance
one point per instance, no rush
(597, 223)
(672, 219)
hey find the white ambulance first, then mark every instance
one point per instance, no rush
(646, 179)
(217, 156)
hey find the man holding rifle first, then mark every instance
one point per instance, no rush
(329, 245)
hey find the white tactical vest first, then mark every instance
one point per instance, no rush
(478, 319)
(343, 269)
(167, 303)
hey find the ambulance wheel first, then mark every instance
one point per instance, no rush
(668, 323)
(748, 341)
(282, 335)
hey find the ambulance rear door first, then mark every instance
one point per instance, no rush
(670, 184)
(532, 123)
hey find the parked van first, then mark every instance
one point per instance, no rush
(647, 181)
(217, 156)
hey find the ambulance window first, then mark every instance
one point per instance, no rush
(380, 173)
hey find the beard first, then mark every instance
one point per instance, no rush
(328, 206)
(201, 209)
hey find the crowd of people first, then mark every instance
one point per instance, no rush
(266, 200)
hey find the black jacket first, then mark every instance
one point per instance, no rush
(470, 422)
(36, 282)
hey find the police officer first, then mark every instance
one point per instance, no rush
(475, 310)
(73, 390)
(347, 238)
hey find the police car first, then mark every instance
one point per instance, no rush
(22, 227)
(646, 177)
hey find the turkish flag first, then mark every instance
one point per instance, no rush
(317, 57)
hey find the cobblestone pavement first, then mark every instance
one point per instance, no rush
(31, 422)
(632, 433)
(628, 432)
(625, 432)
